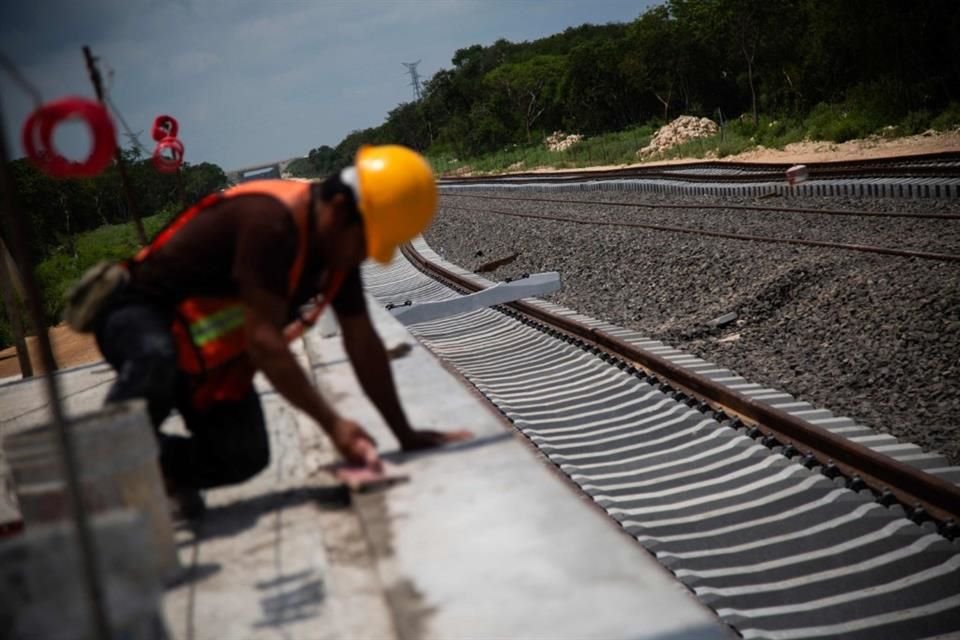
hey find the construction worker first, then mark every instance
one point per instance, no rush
(208, 302)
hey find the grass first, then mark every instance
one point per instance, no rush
(855, 118)
(114, 242)
(59, 271)
(619, 147)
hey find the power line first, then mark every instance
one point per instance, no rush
(21, 79)
(132, 137)
(414, 78)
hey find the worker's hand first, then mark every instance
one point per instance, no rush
(426, 439)
(355, 445)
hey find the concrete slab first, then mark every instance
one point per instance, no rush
(23, 404)
(281, 555)
(485, 540)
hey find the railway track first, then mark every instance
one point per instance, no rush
(636, 204)
(932, 175)
(863, 248)
(845, 535)
(945, 165)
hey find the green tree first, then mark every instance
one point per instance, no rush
(531, 87)
(324, 159)
(596, 92)
(202, 179)
(654, 57)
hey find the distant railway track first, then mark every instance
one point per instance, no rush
(863, 248)
(725, 207)
(788, 521)
(933, 175)
(944, 165)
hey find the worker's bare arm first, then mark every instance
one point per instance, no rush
(269, 352)
(372, 367)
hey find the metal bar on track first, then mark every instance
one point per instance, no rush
(940, 498)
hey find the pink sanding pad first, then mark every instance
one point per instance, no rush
(364, 478)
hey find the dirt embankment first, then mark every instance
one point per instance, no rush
(868, 148)
(70, 349)
(809, 151)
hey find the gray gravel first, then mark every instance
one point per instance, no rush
(873, 337)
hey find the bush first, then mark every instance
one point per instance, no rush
(915, 122)
(772, 133)
(949, 119)
(837, 124)
(619, 147)
(57, 273)
(112, 243)
(303, 168)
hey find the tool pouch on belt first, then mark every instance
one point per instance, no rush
(87, 298)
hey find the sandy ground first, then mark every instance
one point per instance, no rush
(935, 142)
(69, 349)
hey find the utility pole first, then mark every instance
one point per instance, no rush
(118, 154)
(414, 78)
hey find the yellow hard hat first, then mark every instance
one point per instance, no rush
(397, 199)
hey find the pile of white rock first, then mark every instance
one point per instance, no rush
(560, 141)
(681, 130)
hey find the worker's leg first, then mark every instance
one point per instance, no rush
(135, 339)
(228, 444)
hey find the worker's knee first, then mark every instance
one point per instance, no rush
(134, 331)
(150, 375)
(246, 464)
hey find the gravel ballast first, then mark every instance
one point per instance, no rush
(872, 337)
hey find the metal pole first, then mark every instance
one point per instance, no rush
(118, 154)
(13, 313)
(88, 554)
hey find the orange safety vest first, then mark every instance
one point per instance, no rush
(210, 332)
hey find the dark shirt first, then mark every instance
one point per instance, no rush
(242, 242)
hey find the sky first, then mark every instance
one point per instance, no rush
(256, 81)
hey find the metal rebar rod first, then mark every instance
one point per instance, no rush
(88, 552)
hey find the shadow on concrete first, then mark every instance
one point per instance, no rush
(194, 573)
(292, 603)
(466, 445)
(283, 579)
(230, 519)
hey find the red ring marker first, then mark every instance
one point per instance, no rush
(37, 137)
(168, 156)
(165, 127)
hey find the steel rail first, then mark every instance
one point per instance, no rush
(939, 498)
(735, 207)
(863, 248)
(924, 165)
(777, 176)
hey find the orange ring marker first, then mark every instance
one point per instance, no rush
(37, 137)
(165, 127)
(168, 156)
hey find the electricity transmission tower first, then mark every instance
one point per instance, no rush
(414, 78)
